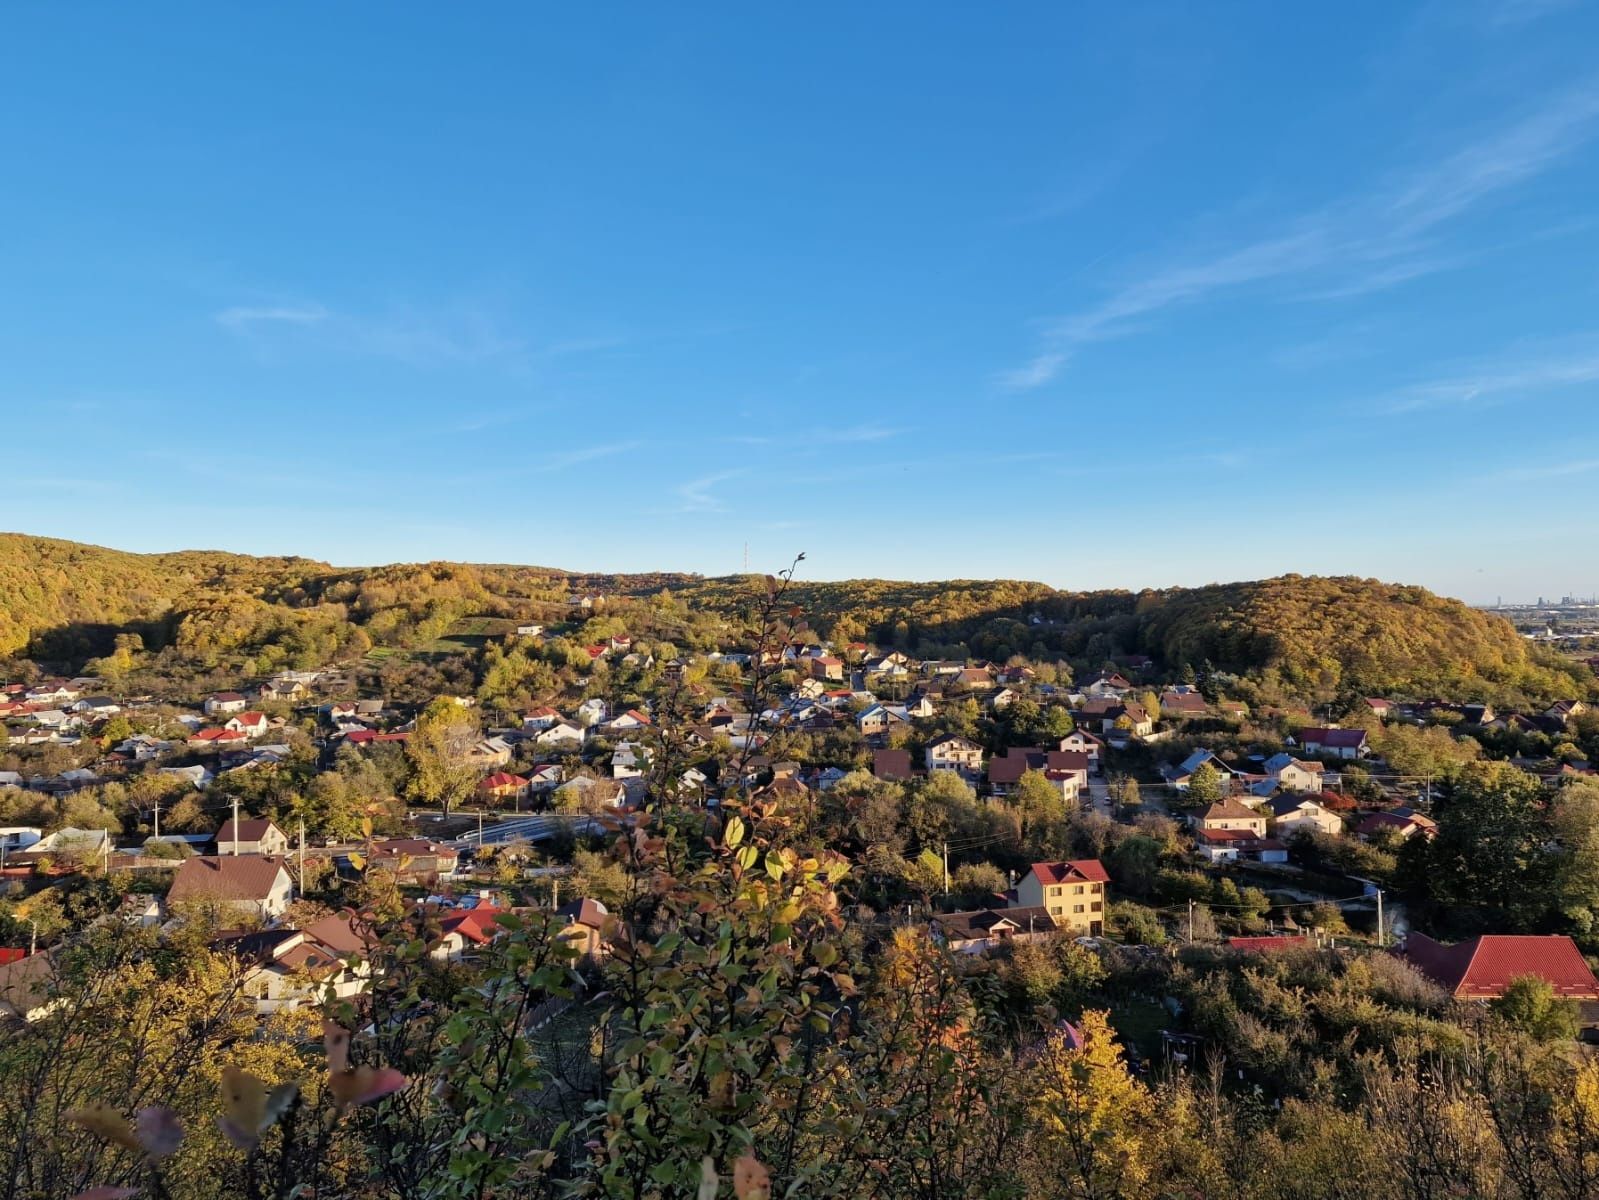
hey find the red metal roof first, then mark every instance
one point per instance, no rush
(1090, 870)
(1483, 967)
(1267, 942)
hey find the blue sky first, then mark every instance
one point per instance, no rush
(1104, 295)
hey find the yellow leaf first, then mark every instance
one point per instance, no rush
(734, 833)
(105, 1122)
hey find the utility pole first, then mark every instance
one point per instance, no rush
(302, 855)
(1190, 921)
(946, 868)
(157, 834)
(1381, 940)
(480, 829)
(235, 826)
(33, 940)
(555, 895)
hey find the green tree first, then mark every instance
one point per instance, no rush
(1206, 785)
(439, 749)
(1531, 1005)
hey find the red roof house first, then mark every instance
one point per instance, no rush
(1482, 968)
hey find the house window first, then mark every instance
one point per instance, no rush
(1077, 890)
(1077, 908)
(1096, 906)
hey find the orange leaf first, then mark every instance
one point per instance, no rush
(751, 1181)
(336, 1041)
(365, 1085)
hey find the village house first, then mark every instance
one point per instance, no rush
(491, 752)
(502, 787)
(1404, 822)
(197, 776)
(892, 766)
(1483, 968)
(1073, 893)
(1182, 706)
(1333, 742)
(285, 969)
(893, 665)
(1182, 774)
(586, 793)
(955, 753)
(878, 719)
(631, 721)
(253, 885)
(251, 836)
(1295, 813)
(1065, 769)
(562, 733)
(545, 777)
(250, 724)
(1108, 686)
(465, 930)
(286, 690)
(1229, 845)
(827, 667)
(984, 929)
(1081, 741)
(589, 926)
(415, 860)
(542, 717)
(1292, 774)
(629, 761)
(1231, 814)
(222, 703)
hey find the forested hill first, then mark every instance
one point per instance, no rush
(63, 602)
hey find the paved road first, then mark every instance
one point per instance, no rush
(1099, 796)
(535, 827)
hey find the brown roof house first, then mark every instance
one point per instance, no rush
(1229, 813)
(974, 932)
(415, 860)
(588, 927)
(252, 836)
(255, 885)
(286, 969)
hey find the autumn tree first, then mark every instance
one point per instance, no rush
(1091, 1120)
(439, 750)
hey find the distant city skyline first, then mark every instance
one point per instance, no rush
(1129, 296)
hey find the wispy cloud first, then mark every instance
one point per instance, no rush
(244, 316)
(1557, 470)
(858, 433)
(413, 336)
(697, 495)
(1373, 241)
(1496, 383)
(584, 454)
(1500, 13)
